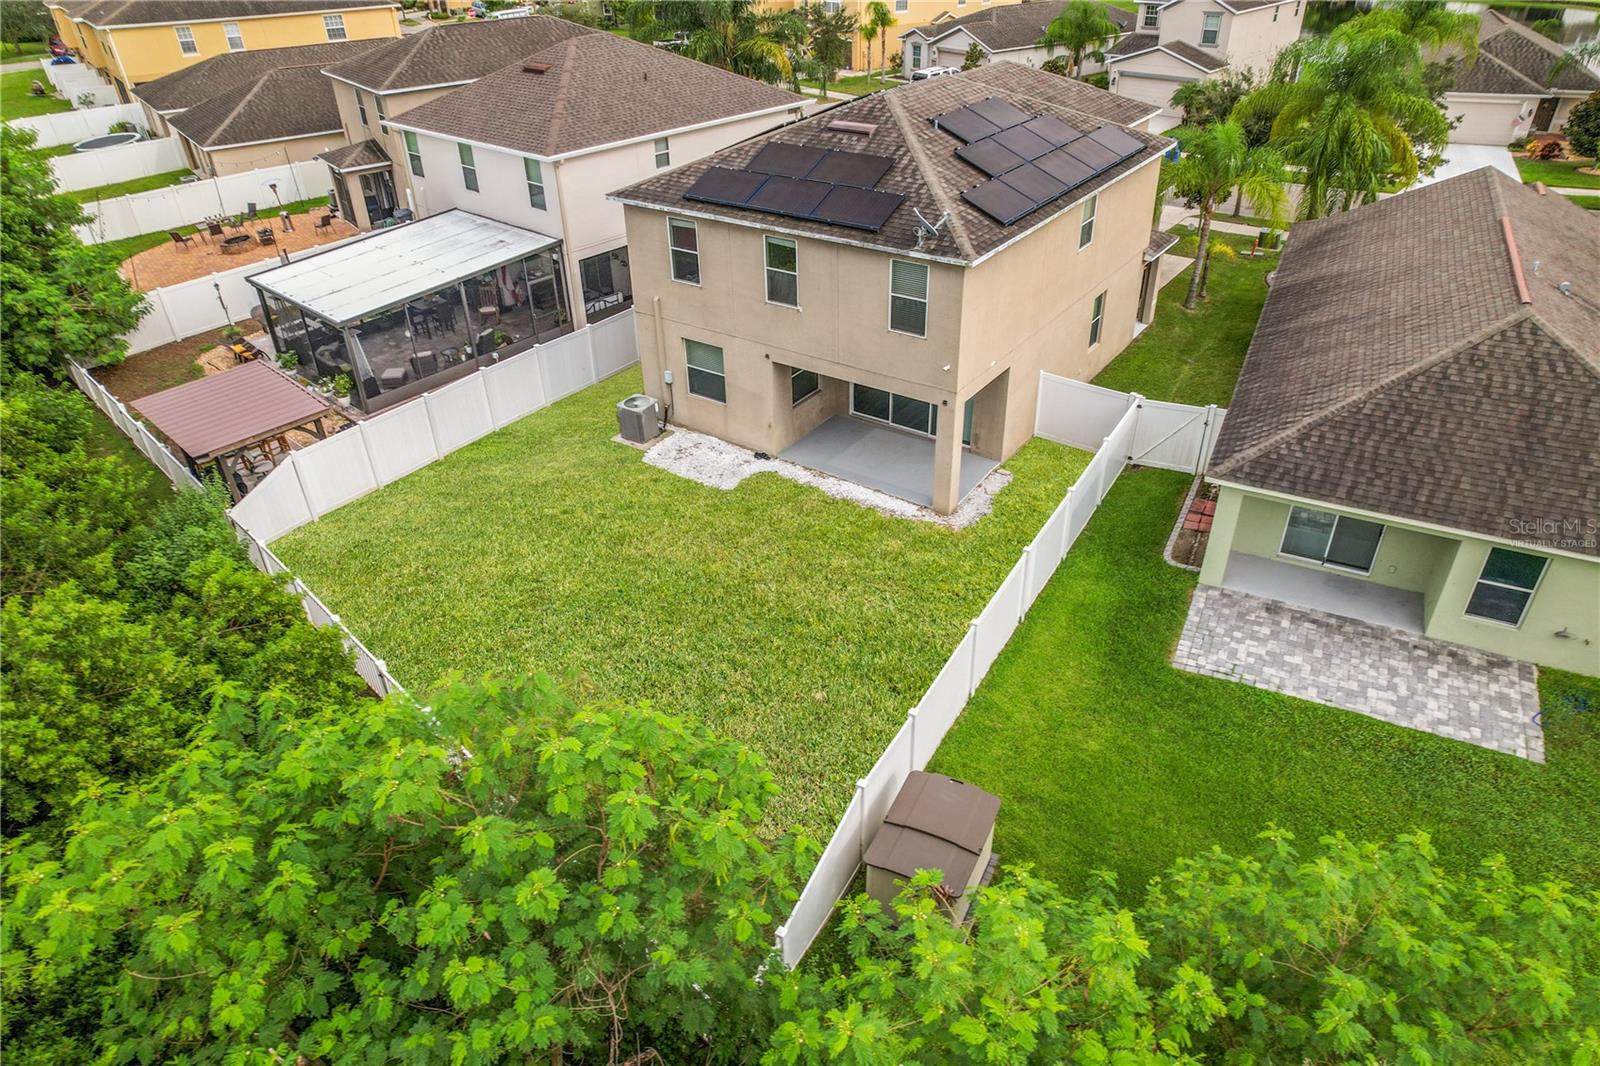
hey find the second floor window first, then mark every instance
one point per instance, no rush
(469, 169)
(413, 153)
(1086, 227)
(186, 43)
(1212, 28)
(230, 30)
(783, 272)
(535, 176)
(908, 297)
(1152, 16)
(663, 153)
(683, 243)
(334, 25)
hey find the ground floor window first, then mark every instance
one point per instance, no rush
(1334, 540)
(607, 283)
(919, 416)
(707, 374)
(802, 383)
(1505, 586)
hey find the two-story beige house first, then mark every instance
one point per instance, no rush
(1179, 41)
(370, 175)
(880, 284)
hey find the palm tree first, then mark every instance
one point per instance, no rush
(1353, 117)
(879, 19)
(1082, 28)
(1217, 159)
(1430, 23)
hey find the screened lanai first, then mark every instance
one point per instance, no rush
(409, 308)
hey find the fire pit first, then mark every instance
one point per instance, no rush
(110, 140)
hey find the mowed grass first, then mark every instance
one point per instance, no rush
(1558, 174)
(802, 625)
(1105, 756)
(17, 102)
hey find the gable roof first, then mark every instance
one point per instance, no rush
(1137, 44)
(235, 70)
(455, 54)
(1000, 29)
(281, 103)
(1443, 378)
(106, 13)
(925, 168)
(594, 89)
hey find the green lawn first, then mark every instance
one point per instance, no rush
(1195, 356)
(15, 101)
(1558, 174)
(132, 185)
(803, 625)
(1104, 755)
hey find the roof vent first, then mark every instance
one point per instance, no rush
(535, 68)
(844, 125)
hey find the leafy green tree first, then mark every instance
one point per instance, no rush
(879, 18)
(1582, 128)
(1216, 160)
(829, 40)
(1083, 29)
(497, 876)
(1360, 953)
(974, 57)
(1351, 112)
(58, 296)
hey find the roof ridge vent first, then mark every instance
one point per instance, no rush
(844, 125)
(532, 67)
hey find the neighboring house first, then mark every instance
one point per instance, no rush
(907, 14)
(369, 174)
(1008, 33)
(136, 41)
(231, 73)
(1513, 87)
(1413, 439)
(857, 284)
(1181, 41)
(539, 143)
(283, 115)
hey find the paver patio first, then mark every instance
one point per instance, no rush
(1389, 674)
(170, 264)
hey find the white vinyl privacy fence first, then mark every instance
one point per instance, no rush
(86, 170)
(70, 127)
(1118, 427)
(329, 474)
(189, 203)
(372, 669)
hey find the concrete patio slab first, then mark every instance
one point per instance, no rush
(1385, 673)
(881, 458)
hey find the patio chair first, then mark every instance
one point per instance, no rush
(180, 239)
(324, 223)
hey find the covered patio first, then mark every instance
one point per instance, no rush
(409, 308)
(236, 422)
(895, 461)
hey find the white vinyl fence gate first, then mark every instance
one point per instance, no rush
(1122, 429)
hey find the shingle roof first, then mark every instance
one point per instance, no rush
(233, 70)
(139, 12)
(1411, 377)
(1135, 43)
(595, 89)
(925, 171)
(362, 154)
(450, 55)
(279, 103)
(1013, 25)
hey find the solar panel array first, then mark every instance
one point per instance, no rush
(800, 181)
(1031, 160)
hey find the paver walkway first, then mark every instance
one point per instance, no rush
(1399, 677)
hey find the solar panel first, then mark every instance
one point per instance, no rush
(1035, 184)
(1052, 129)
(966, 124)
(851, 168)
(1000, 112)
(719, 185)
(1116, 140)
(789, 160)
(1065, 169)
(989, 156)
(795, 197)
(1092, 152)
(1020, 141)
(999, 201)
(866, 209)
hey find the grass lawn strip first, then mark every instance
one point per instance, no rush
(1104, 755)
(1558, 174)
(802, 625)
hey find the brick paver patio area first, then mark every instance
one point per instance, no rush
(169, 264)
(1400, 677)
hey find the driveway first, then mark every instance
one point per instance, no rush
(1465, 158)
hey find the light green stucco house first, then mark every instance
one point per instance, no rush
(1415, 437)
